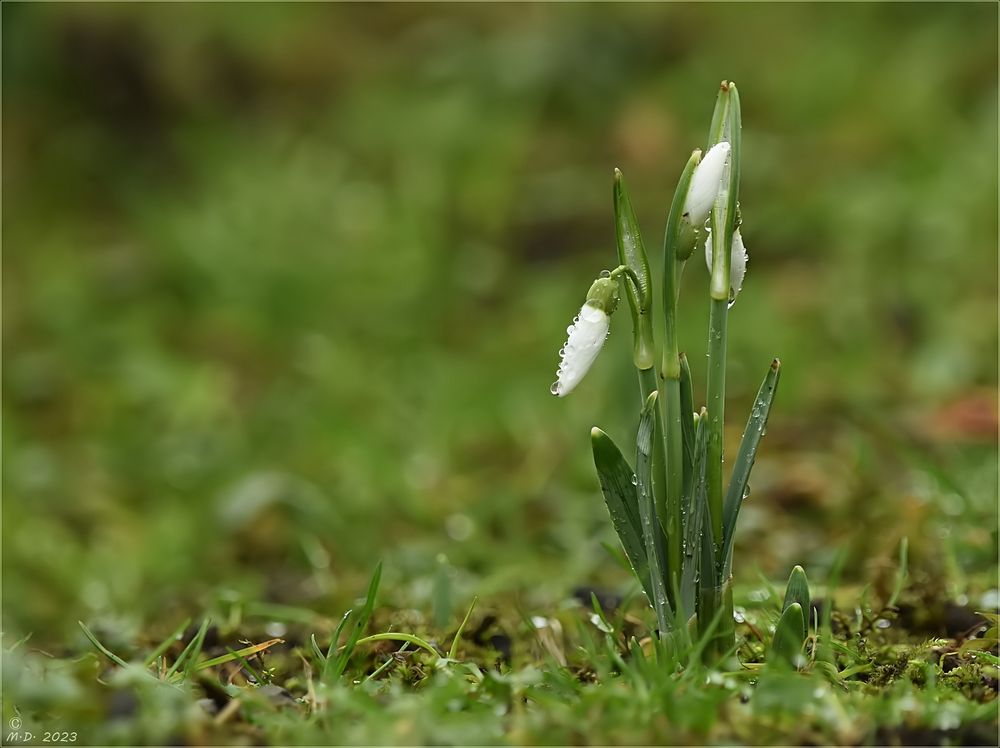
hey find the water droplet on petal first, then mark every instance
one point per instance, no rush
(554, 389)
(605, 273)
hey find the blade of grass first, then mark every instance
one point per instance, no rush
(191, 665)
(756, 425)
(20, 642)
(246, 665)
(165, 644)
(359, 625)
(458, 634)
(317, 652)
(335, 641)
(234, 655)
(395, 637)
(902, 572)
(100, 647)
(619, 491)
(182, 657)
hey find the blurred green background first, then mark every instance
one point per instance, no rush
(284, 287)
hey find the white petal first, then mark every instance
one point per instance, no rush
(705, 183)
(737, 262)
(586, 338)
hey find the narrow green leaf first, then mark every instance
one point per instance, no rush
(687, 421)
(631, 251)
(719, 116)
(638, 291)
(651, 531)
(786, 647)
(696, 524)
(797, 591)
(708, 582)
(100, 647)
(756, 426)
(620, 495)
(258, 678)
(461, 628)
(359, 625)
(165, 644)
(237, 654)
(902, 572)
(335, 640)
(394, 637)
(191, 664)
(182, 657)
(317, 652)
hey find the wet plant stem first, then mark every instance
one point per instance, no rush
(717, 324)
(648, 384)
(673, 444)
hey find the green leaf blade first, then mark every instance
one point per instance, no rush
(620, 495)
(797, 591)
(756, 425)
(631, 250)
(652, 533)
(786, 646)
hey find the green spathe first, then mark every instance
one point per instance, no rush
(603, 295)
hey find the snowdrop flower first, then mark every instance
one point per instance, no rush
(586, 335)
(705, 184)
(737, 263)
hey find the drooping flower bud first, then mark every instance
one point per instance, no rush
(586, 335)
(705, 184)
(737, 262)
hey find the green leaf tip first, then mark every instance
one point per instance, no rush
(620, 495)
(797, 593)
(788, 639)
(638, 285)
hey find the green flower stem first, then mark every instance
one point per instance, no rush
(726, 123)
(674, 448)
(673, 439)
(676, 235)
(717, 324)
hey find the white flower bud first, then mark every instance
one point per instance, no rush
(586, 338)
(705, 184)
(737, 263)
